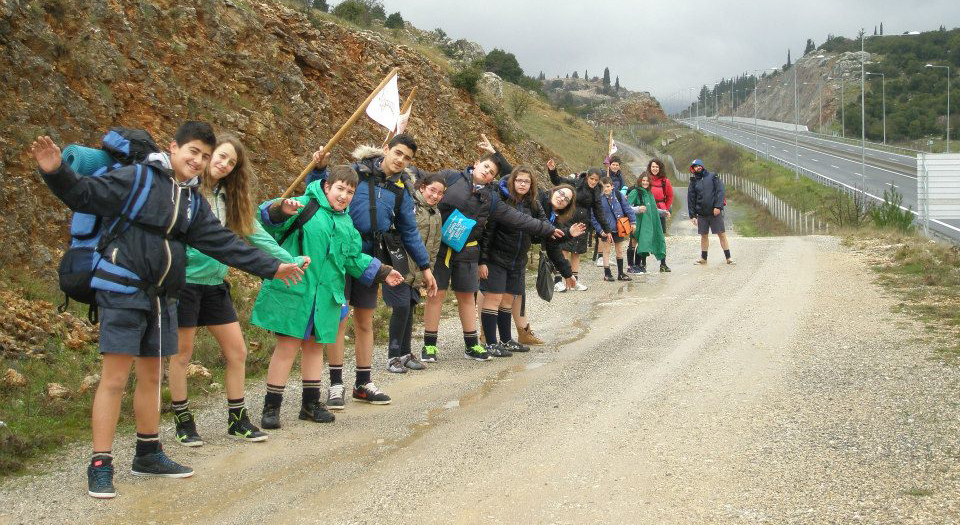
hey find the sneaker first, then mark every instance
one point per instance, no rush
(498, 350)
(240, 427)
(315, 411)
(624, 277)
(477, 352)
(600, 262)
(560, 286)
(428, 354)
(633, 269)
(607, 277)
(159, 465)
(369, 393)
(730, 261)
(395, 366)
(186, 433)
(335, 397)
(514, 346)
(100, 480)
(270, 419)
(580, 287)
(664, 268)
(701, 262)
(412, 362)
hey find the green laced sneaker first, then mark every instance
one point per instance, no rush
(477, 352)
(429, 354)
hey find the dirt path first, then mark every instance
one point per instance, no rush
(778, 390)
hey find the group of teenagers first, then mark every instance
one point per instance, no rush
(325, 256)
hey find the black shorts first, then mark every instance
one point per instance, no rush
(402, 295)
(462, 277)
(503, 280)
(205, 305)
(140, 333)
(575, 244)
(360, 295)
(710, 224)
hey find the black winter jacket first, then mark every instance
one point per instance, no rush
(141, 249)
(506, 246)
(552, 246)
(588, 199)
(482, 204)
(705, 193)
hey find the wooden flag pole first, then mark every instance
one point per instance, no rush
(406, 106)
(343, 131)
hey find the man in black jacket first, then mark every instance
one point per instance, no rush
(470, 194)
(139, 324)
(705, 202)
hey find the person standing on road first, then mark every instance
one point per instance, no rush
(588, 202)
(648, 235)
(616, 211)
(705, 201)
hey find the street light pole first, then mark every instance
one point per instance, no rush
(863, 118)
(796, 123)
(948, 102)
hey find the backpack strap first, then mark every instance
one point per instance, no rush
(297, 226)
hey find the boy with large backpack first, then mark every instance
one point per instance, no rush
(149, 211)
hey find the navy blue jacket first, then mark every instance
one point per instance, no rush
(387, 191)
(617, 177)
(614, 206)
(705, 193)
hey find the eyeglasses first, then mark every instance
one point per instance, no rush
(525, 182)
(562, 197)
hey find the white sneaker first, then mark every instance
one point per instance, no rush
(580, 287)
(600, 262)
(560, 287)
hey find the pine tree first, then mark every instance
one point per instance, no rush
(874, 30)
(606, 77)
(789, 63)
(881, 28)
(576, 75)
(585, 75)
(810, 46)
(616, 84)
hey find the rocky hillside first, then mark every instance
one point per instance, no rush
(283, 82)
(606, 105)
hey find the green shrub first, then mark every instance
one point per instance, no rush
(467, 79)
(394, 21)
(353, 11)
(519, 102)
(890, 215)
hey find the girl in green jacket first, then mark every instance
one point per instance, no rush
(648, 234)
(306, 316)
(205, 301)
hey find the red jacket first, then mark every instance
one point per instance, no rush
(662, 192)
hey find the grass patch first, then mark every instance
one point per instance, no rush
(753, 220)
(580, 143)
(918, 492)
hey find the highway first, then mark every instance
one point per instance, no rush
(838, 162)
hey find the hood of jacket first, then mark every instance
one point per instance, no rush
(161, 159)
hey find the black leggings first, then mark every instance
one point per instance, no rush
(401, 330)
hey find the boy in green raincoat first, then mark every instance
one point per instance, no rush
(648, 234)
(306, 316)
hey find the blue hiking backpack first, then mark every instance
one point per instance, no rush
(83, 269)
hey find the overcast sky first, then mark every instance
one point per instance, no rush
(664, 46)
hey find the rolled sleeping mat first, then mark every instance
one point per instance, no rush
(84, 160)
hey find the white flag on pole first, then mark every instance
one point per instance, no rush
(385, 107)
(613, 147)
(404, 120)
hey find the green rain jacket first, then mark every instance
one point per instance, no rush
(203, 269)
(314, 304)
(649, 232)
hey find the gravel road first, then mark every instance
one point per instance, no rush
(777, 390)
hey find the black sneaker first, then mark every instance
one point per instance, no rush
(335, 399)
(498, 350)
(624, 277)
(159, 465)
(186, 433)
(514, 346)
(317, 412)
(100, 479)
(428, 354)
(664, 268)
(240, 427)
(477, 352)
(369, 393)
(270, 419)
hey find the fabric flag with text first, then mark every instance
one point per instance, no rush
(385, 107)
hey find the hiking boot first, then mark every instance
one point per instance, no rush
(100, 479)
(514, 346)
(159, 465)
(395, 366)
(664, 268)
(186, 433)
(477, 352)
(270, 418)
(429, 354)
(369, 393)
(412, 362)
(624, 277)
(240, 427)
(526, 337)
(315, 411)
(335, 397)
(498, 350)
